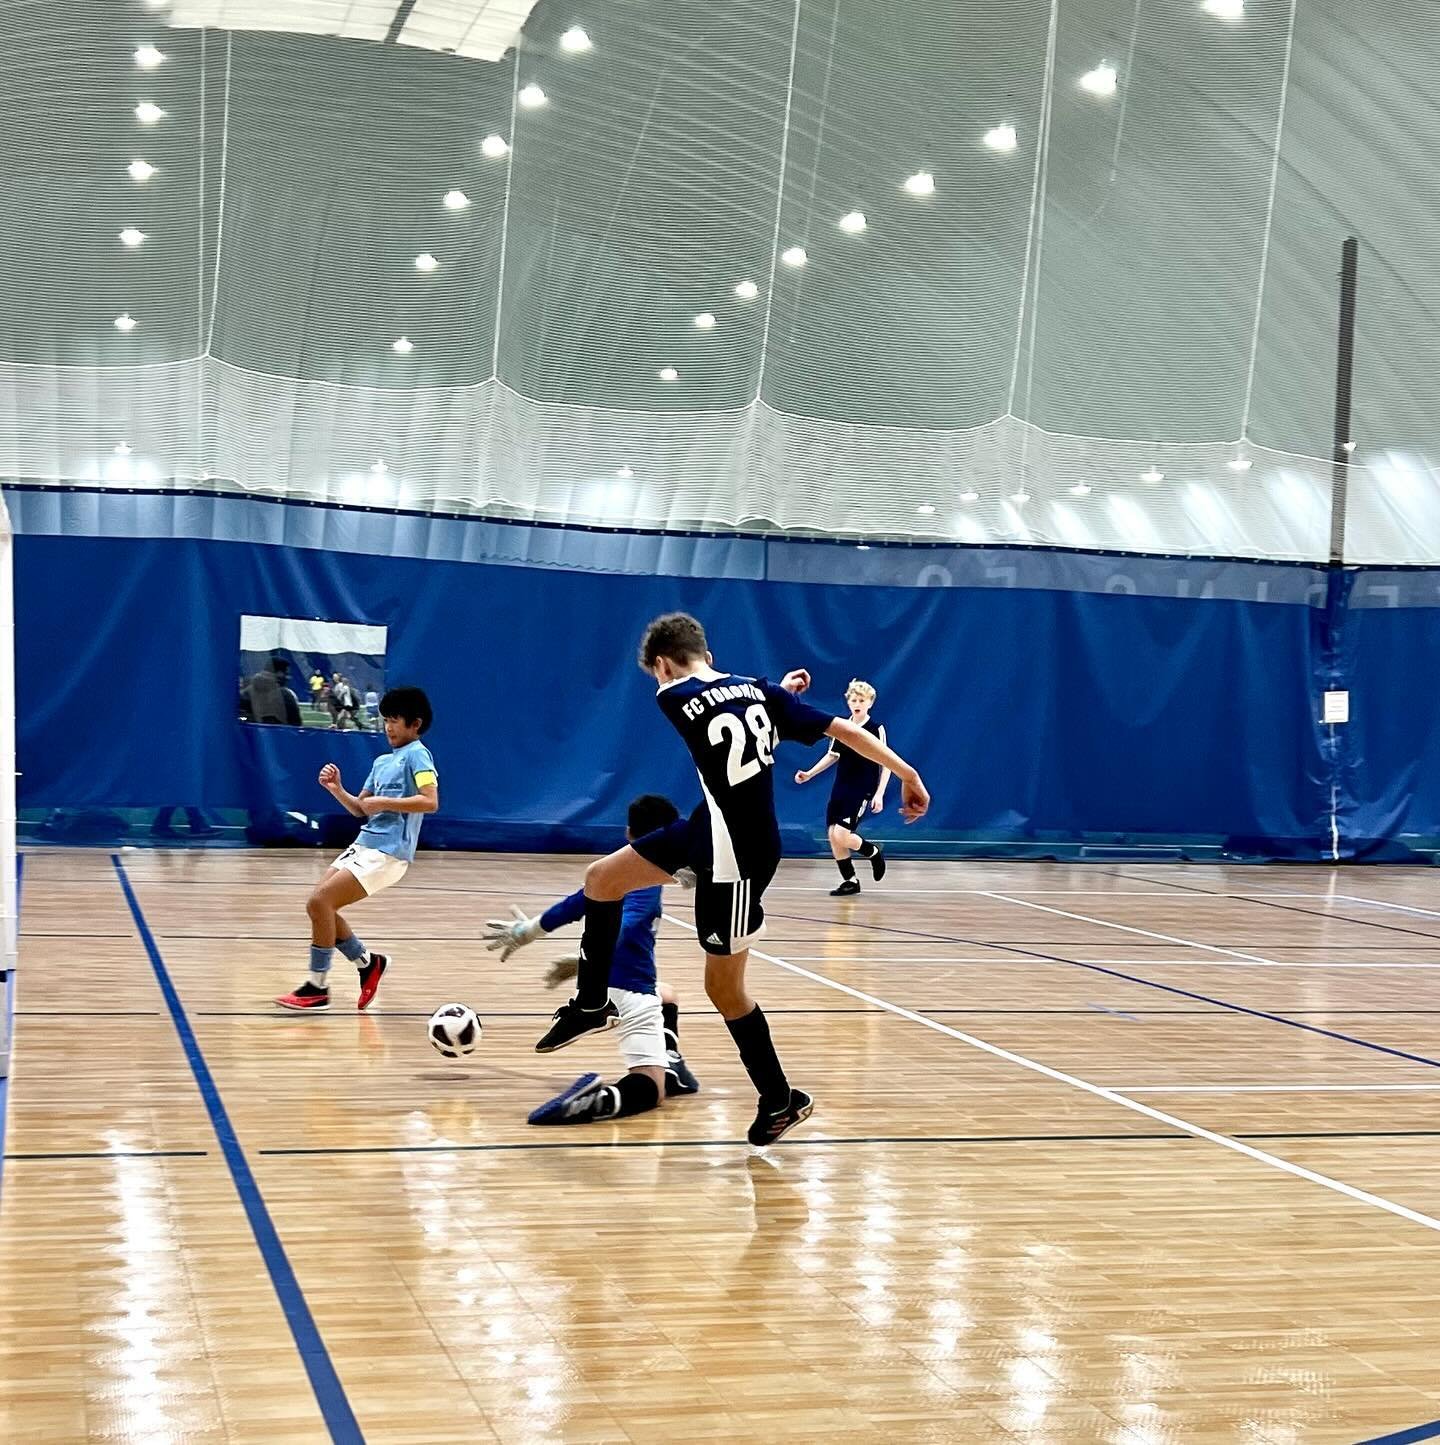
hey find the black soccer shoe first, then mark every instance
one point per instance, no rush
(768, 1127)
(877, 862)
(572, 1022)
(586, 1101)
(678, 1078)
(848, 889)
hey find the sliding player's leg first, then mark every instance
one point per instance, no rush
(678, 1078)
(642, 1046)
(647, 863)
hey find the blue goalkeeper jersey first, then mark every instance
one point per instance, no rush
(634, 965)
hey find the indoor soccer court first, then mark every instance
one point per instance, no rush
(1113, 1154)
(718, 722)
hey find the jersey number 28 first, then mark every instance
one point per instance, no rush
(725, 727)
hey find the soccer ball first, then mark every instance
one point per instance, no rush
(453, 1029)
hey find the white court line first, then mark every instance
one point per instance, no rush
(1382, 903)
(940, 958)
(1280, 1088)
(1252, 958)
(1098, 962)
(1100, 1092)
(1155, 892)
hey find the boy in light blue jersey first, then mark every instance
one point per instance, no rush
(401, 787)
(647, 1010)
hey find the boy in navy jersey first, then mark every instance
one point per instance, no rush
(649, 1027)
(730, 724)
(859, 789)
(401, 787)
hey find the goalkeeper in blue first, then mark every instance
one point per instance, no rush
(648, 1010)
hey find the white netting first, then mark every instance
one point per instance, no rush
(371, 274)
(487, 449)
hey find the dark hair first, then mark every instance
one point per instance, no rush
(409, 704)
(648, 812)
(677, 636)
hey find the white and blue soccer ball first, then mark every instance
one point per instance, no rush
(454, 1030)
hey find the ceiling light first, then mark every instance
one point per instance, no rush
(1240, 464)
(425, 262)
(456, 200)
(148, 114)
(1080, 489)
(925, 509)
(922, 183)
(668, 373)
(1231, 10)
(705, 321)
(494, 146)
(140, 170)
(862, 546)
(1347, 446)
(794, 256)
(1002, 138)
(575, 40)
(969, 496)
(378, 467)
(131, 237)
(1153, 475)
(123, 449)
(746, 290)
(402, 346)
(852, 222)
(1020, 497)
(532, 97)
(1101, 81)
(125, 322)
(147, 57)
(624, 473)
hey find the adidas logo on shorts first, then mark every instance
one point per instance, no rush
(716, 940)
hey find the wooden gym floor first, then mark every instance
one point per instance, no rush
(1127, 1155)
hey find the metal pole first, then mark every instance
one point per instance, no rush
(1344, 371)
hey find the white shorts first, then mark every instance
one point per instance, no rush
(375, 870)
(641, 1029)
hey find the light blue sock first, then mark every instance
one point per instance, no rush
(320, 966)
(353, 949)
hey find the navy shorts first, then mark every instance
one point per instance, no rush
(729, 916)
(846, 809)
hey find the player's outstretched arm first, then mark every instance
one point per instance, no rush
(914, 799)
(510, 934)
(828, 759)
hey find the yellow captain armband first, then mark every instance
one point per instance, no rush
(425, 779)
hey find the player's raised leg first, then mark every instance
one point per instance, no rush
(607, 881)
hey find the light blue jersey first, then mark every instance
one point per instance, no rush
(398, 774)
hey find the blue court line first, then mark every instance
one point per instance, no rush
(12, 983)
(329, 1392)
(1238, 1008)
(1406, 1437)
